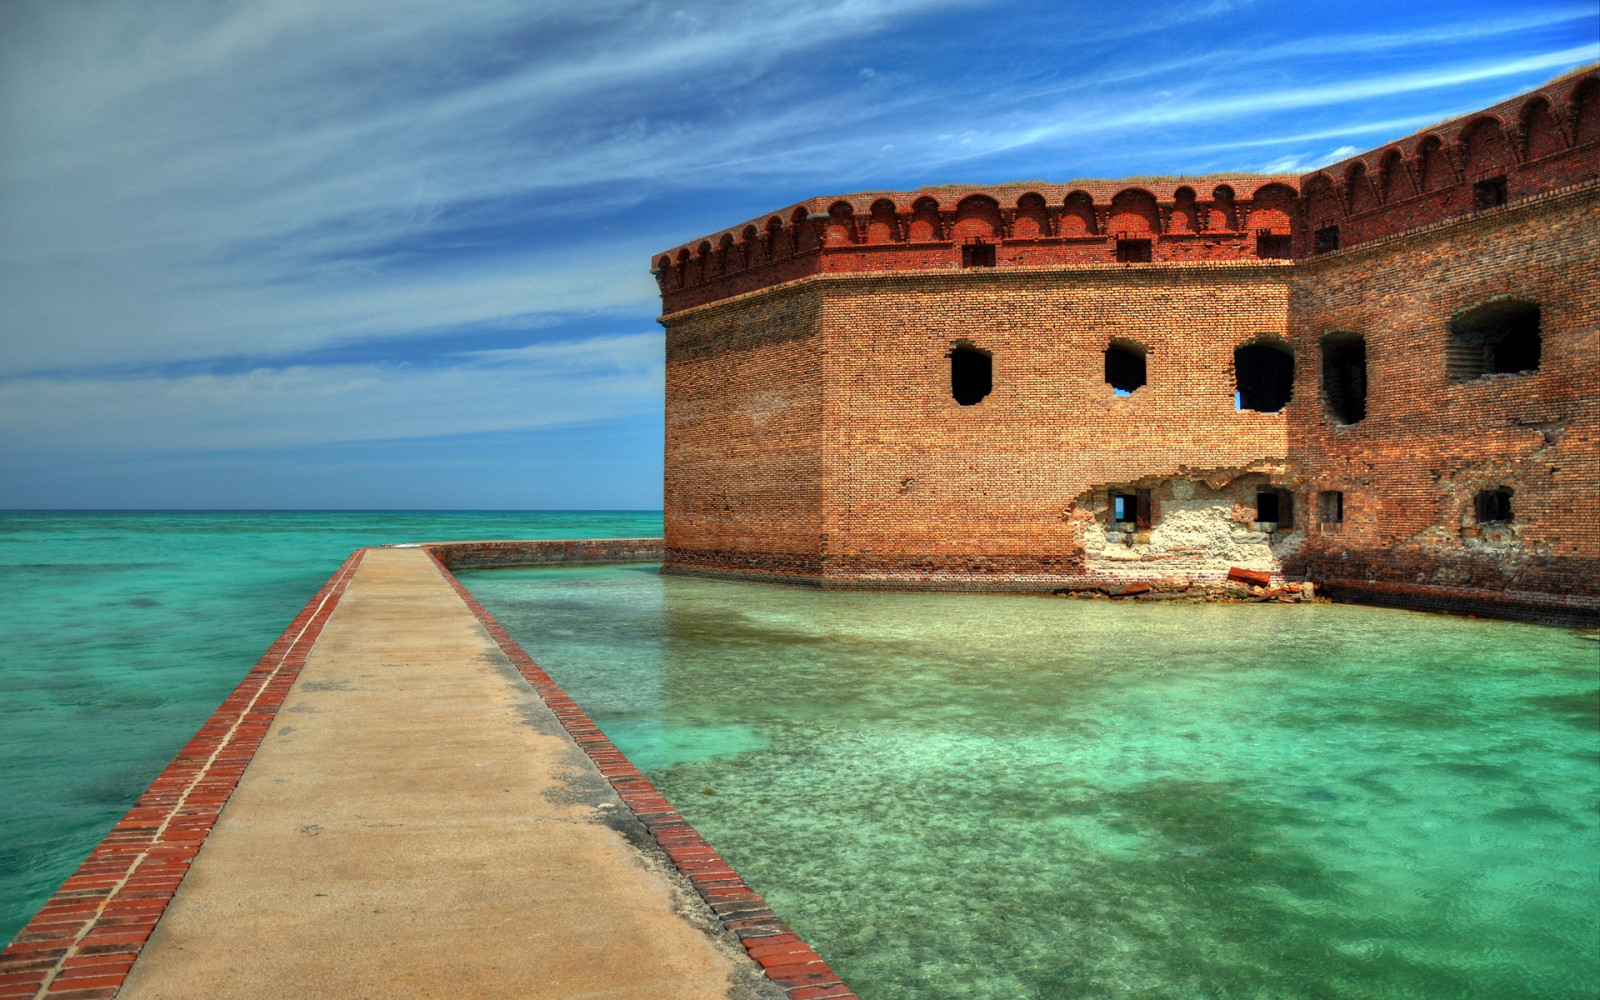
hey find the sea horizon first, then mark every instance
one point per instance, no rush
(128, 626)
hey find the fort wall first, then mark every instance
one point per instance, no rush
(1430, 443)
(1334, 378)
(745, 410)
(921, 486)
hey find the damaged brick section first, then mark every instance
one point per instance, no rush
(1407, 411)
(1186, 530)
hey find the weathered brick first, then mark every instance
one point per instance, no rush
(811, 433)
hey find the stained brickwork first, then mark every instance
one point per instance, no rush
(1410, 470)
(812, 430)
(744, 485)
(919, 484)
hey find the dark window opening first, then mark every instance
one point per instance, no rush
(1496, 338)
(1132, 508)
(1489, 193)
(1276, 506)
(1133, 251)
(1124, 368)
(977, 255)
(1264, 376)
(1270, 247)
(1493, 506)
(1326, 239)
(971, 375)
(1330, 507)
(1344, 376)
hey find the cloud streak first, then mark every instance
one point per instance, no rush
(599, 379)
(203, 207)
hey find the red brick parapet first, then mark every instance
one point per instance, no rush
(1540, 141)
(1546, 139)
(83, 942)
(1190, 220)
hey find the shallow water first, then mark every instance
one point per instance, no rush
(124, 631)
(985, 796)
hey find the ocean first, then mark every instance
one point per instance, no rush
(954, 795)
(988, 796)
(124, 630)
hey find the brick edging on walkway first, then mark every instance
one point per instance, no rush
(782, 955)
(84, 940)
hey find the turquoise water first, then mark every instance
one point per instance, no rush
(124, 631)
(986, 796)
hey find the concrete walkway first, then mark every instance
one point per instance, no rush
(417, 824)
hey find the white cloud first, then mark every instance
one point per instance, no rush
(602, 378)
(259, 176)
(266, 178)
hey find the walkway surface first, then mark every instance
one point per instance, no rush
(416, 823)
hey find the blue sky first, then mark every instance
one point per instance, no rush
(388, 253)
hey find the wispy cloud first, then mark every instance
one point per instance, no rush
(203, 206)
(1083, 119)
(253, 178)
(602, 378)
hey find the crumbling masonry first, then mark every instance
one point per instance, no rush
(1381, 376)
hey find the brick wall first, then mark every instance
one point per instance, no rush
(545, 552)
(744, 412)
(811, 430)
(918, 485)
(1410, 470)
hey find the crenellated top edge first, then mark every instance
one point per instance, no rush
(1538, 141)
(1562, 99)
(948, 198)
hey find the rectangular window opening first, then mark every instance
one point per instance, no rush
(1141, 510)
(1344, 377)
(1499, 337)
(1493, 506)
(1327, 239)
(1136, 509)
(977, 255)
(1271, 247)
(1489, 193)
(1133, 251)
(1330, 507)
(1275, 507)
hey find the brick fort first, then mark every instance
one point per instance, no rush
(1381, 376)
